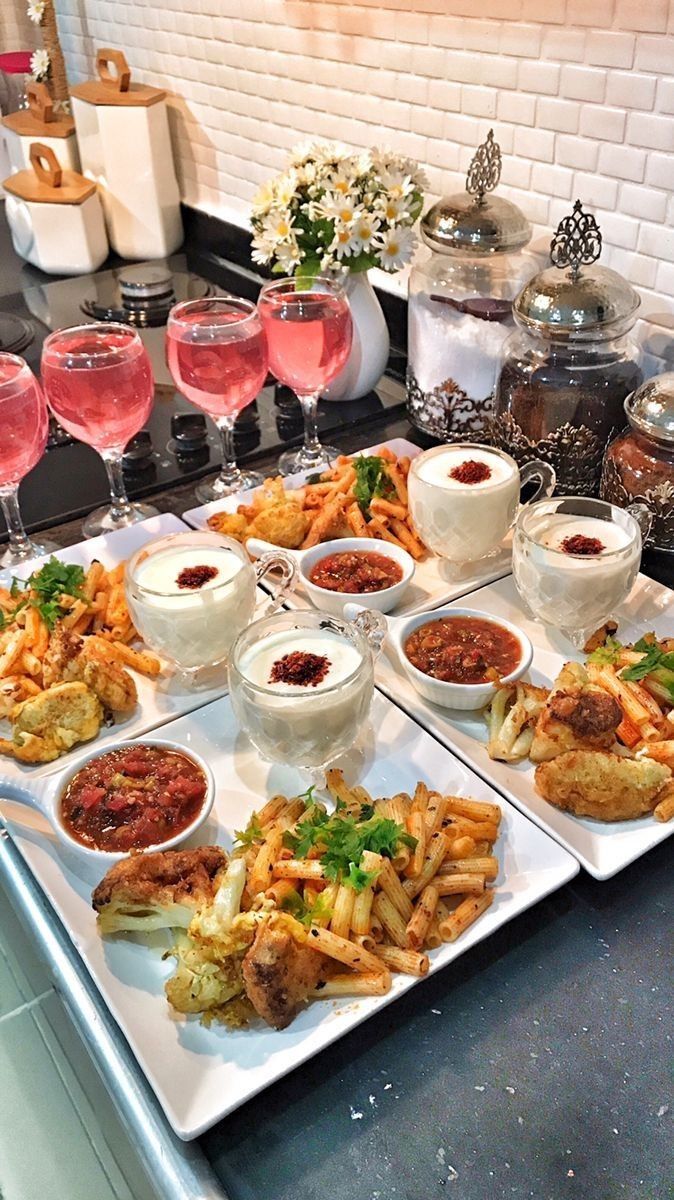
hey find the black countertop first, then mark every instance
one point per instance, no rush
(536, 1067)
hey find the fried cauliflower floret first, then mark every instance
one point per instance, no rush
(283, 525)
(164, 890)
(511, 717)
(280, 971)
(232, 525)
(601, 785)
(577, 716)
(47, 725)
(70, 658)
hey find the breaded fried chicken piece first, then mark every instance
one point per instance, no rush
(601, 785)
(70, 657)
(158, 891)
(47, 725)
(576, 716)
(279, 972)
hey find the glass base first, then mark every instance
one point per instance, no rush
(302, 459)
(35, 550)
(217, 488)
(101, 520)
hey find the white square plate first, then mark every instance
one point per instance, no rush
(199, 1074)
(160, 699)
(603, 848)
(433, 583)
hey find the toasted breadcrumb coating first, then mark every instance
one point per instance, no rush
(601, 785)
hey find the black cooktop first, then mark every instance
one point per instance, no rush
(178, 444)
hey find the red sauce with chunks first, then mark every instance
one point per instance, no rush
(356, 571)
(132, 798)
(463, 650)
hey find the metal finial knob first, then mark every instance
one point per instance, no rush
(484, 171)
(577, 240)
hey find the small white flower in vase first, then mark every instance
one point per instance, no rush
(36, 11)
(39, 64)
(340, 212)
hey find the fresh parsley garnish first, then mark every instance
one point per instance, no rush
(251, 834)
(371, 479)
(606, 655)
(342, 840)
(358, 879)
(308, 915)
(44, 589)
(656, 662)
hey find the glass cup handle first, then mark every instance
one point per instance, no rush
(373, 626)
(277, 561)
(643, 517)
(546, 475)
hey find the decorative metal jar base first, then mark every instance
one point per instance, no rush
(575, 453)
(447, 412)
(659, 500)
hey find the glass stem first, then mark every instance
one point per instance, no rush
(19, 542)
(229, 472)
(310, 413)
(120, 508)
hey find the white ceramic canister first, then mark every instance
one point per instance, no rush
(125, 146)
(39, 123)
(55, 216)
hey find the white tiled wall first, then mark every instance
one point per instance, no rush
(580, 93)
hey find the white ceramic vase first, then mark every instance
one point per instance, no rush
(370, 344)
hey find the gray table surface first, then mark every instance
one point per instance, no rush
(537, 1066)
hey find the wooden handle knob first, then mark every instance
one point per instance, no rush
(46, 165)
(39, 101)
(121, 78)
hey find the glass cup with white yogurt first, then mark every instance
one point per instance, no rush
(190, 595)
(464, 498)
(575, 560)
(301, 684)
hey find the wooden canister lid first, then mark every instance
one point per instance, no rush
(47, 182)
(116, 88)
(39, 119)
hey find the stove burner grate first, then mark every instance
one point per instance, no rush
(142, 295)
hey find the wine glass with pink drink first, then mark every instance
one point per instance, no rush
(308, 328)
(217, 355)
(24, 423)
(98, 383)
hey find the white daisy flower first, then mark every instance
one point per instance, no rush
(364, 230)
(285, 188)
(337, 207)
(278, 226)
(39, 64)
(392, 209)
(263, 198)
(343, 245)
(396, 248)
(36, 11)
(288, 254)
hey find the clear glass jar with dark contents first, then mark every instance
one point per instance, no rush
(639, 463)
(569, 365)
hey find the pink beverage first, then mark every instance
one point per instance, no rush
(218, 360)
(99, 385)
(24, 420)
(309, 338)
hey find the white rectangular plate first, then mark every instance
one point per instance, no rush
(199, 1074)
(160, 699)
(603, 848)
(433, 582)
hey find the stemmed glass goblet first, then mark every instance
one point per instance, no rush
(24, 424)
(309, 330)
(217, 355)
(98, 382)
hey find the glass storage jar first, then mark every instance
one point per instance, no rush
(569, 366)
(639, 463)
(460, 302)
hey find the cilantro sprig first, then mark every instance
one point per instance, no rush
(608, 654)
(251, 835)
(343, 839)
(44, 589)
(371, 479)
(656, 662)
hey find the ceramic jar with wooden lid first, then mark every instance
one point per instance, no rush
(55, 216)
(39, 123)
(125, 146)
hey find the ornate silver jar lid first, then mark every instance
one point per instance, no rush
(650, 409)
(474, 222)
(575, 302)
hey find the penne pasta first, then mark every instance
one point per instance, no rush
(435, 852)
(375, 983)
(394, 925)
(487, 866)
(263, 868)
(344, 951)
(416, 826)
(340, 922)
(298, 868)
(435, 812)
(465, 915)
(408, 962)
(419, 923)
(458, 885)
(393, 888)
(474, 810)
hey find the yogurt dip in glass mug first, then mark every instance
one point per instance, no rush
(190, 595)
(575, 560)
(464, 498)
(302, 683)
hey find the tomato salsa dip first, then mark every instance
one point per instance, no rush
(464, 650)
(132, 798)
(356, 572)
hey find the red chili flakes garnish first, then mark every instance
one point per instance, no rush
(579, 544)
(196, 577)
(305, 670)
(471, 471)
